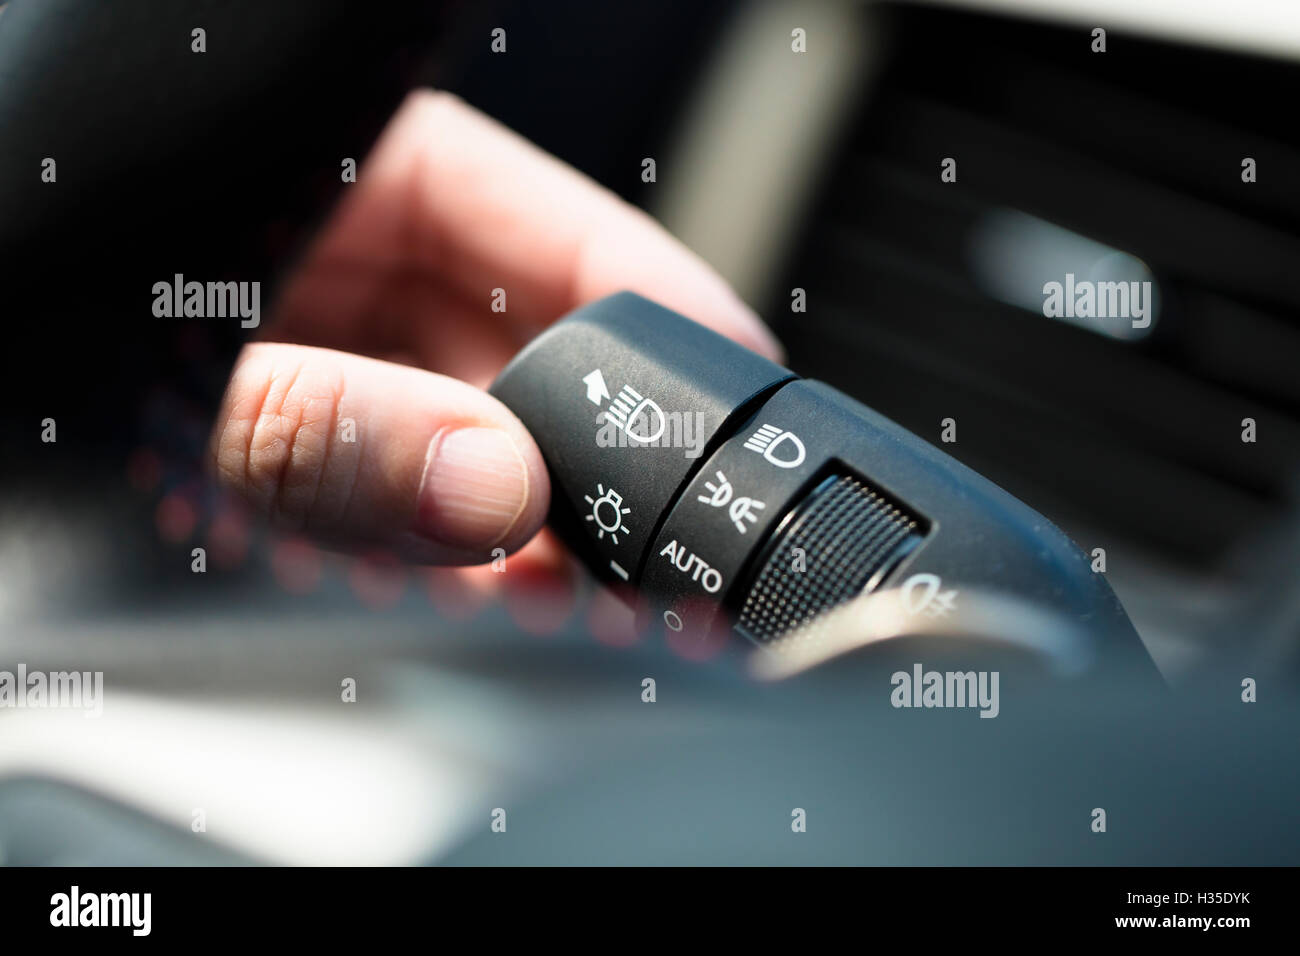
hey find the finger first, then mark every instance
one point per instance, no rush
(447, 185)
(542, 558)
(320, 308)
(362, 453)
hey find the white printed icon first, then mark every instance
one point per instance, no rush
(742, 509)
(596, 390)
(607, 511)
(719, 494)
(921, 595)
(640, 418)
(769, 438)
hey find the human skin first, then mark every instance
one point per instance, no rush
(388, 323)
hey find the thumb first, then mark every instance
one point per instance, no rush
(363, 453)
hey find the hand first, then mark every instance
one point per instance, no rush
(391, 327)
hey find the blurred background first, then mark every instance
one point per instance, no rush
(817, 171)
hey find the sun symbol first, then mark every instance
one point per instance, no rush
(611, 519)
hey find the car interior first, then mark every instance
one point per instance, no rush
(813, 183)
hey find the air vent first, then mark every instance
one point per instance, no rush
(1138, 150)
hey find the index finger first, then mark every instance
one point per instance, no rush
(450, 188)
